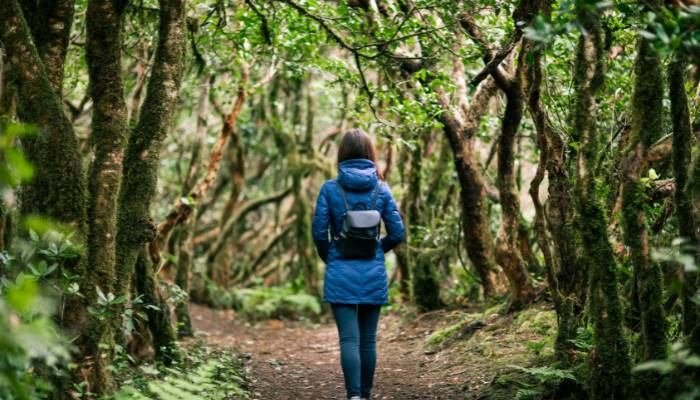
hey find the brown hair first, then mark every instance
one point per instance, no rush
(356, 144)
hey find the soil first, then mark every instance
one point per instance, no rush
(299, 360)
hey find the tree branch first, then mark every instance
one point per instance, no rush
(183, 209)
(242, 211)
(492, 60)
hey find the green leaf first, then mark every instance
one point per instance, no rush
(652, 174)
(661, 366)
(22, 297)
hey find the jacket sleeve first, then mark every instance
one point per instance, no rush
(321, 223)
(392, 223)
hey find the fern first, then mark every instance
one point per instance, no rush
(527, 394)
(218, 378)
(547, 374)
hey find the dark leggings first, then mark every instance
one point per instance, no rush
(357, 330)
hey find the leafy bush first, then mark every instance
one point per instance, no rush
(262, 302)
(276, 302)
(679, 370)
(215, 296)
(219, 375)
(537, 383)
(27, 335)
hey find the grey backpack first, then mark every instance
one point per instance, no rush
(359, 234)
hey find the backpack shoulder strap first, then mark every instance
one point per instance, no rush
(342, 195)
(375, 195)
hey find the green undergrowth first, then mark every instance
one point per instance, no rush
(266, 302)
(462, 330)
(543, 381)
(512, 354)
(276, 302)
(206, 374)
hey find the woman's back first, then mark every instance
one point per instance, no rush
(356, 287)
(355, 281)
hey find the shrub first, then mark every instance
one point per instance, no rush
(276, 302)
(217, 376)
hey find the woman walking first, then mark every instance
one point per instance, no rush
(346, 223)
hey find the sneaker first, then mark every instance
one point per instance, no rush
(355, 398)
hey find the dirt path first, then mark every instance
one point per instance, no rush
(299, 361)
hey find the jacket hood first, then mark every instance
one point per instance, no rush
(357, 174)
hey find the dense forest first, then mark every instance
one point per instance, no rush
(160, 161)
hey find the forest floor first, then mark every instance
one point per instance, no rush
(441, 355)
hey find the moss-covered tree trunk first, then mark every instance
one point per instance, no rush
(50, 22)
(681, 158)
(403, 271)
(58, 187)
(695, 192)
(508, 253)
(565, 280)
(609, 362)
(141, 163)
(425, 286)
(570, 273)
(566, 276)
(182, 278)
(647, 127)
(460, 124)
(58, 190)
(475, 222)
(157, 309)
(108, 139)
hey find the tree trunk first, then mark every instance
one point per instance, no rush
(404, 275)
(302, 225)
(682, 145)
(50, 22)
(157, 310)
(143, 152)
(695, 191)
(182, 278)
(57, 190)
(425, 286)
(193, 168)
(566, 276)
(508, 253)
(647, 127)
(609, 362)
(475, 222)
(109, 136)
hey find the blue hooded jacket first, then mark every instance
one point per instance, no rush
(353, 281)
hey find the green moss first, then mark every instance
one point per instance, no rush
(58, 187)
(566, 329)
(461, 330)
(647, 126)
(609, 361)
(536, 320)
(498, 309)
(425, 287)
(440, 336)
(535, 383)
